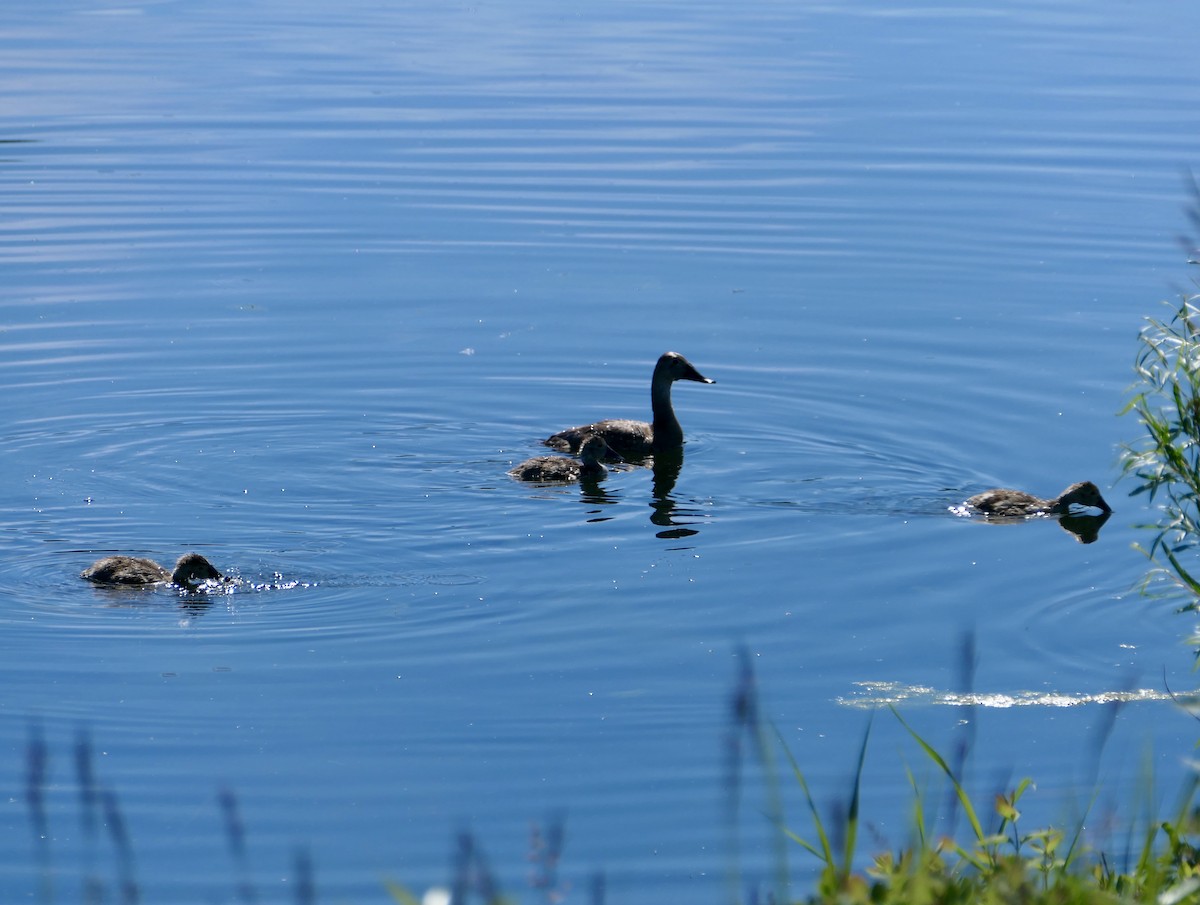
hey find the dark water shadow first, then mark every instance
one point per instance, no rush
(674, 516)
(668, 513)
(1086, 528)
(593, 493)
(1083, 529)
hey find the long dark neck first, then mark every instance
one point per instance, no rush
(667, 432)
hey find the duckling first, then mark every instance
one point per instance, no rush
(1003, 503)
(639, 439)
(133, 570)
(562, 470)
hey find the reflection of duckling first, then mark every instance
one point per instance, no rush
(1014, 503)
(132, 570)
(1084, 528)
(561, 470)
(638, 439)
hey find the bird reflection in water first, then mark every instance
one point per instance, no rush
(1085, 528)
(191, 602)
(668, 514)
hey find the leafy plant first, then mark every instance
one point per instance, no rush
(1044, 866)
(1166, 461)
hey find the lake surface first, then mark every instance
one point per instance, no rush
(294, 285)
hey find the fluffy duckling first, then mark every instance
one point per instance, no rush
(639, 439)
(1004, 503)
(562, 470)
(133, 570)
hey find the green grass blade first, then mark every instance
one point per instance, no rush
(963, 798)
(400, 895)
(826, 851)
(855, 797)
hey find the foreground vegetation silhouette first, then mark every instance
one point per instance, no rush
(993, 859)
(997, 861)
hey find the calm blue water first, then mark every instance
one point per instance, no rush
(294, 285)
